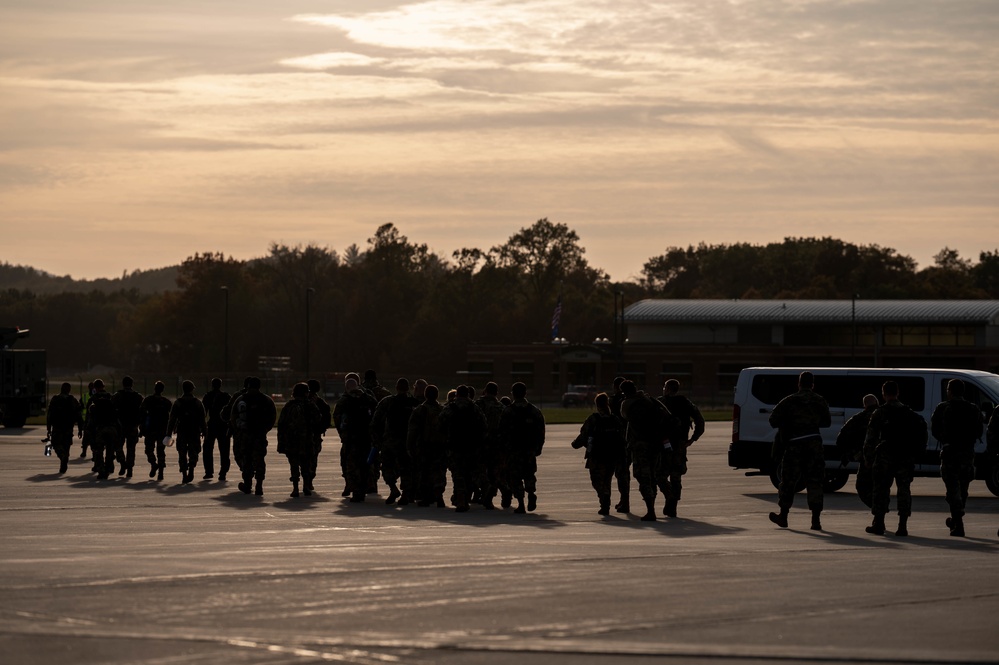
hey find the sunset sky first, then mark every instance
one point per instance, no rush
(134, 134)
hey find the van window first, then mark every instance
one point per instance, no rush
(841, 391)
(972, 393)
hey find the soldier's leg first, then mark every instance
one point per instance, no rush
(790, 476)
(224, 441)
(903, 497)
(180, 444)
(882, 477)
(61, 442)
(865, 485)
(390, 471)
(208, 453)
(239, 449)
(131, 441)
(815, 472)
(193, 450)
(623, 474)
(294, 462)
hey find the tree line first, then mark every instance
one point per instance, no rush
(397, 305)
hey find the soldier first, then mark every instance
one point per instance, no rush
(492, 451)
(690, 417)
(389, 426)
(102, 421)
(602, 434)
(300, 420)
(850, 444)
(127, 404)
(957, 424)
(238, 435)
(254, 414)
(992, 438)
(799, 417)
(63, 413)
(85, 404)
(463, 427)
(325, 422)
(623, 471)
(373, 387)
(426, 448)
(522, 434)
(352, 419)
(154, 415)
(215, 401)
(648, 436)
(187, 420)
(895, 437)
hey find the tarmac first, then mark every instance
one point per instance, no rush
(160, 573)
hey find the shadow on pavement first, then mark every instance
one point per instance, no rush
(672, 527)
(476, 517)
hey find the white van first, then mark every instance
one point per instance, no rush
(760, 388)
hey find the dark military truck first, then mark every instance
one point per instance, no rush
(22, 379)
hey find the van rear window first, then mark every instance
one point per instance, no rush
(840, 391)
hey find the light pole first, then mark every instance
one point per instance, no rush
(308, 305)
(225, 337)
(853, 316)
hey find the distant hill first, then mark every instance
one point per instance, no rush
(26, 278)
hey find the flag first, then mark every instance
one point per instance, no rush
(556, 317)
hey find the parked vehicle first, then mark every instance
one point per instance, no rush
(579, 395)
(22, 380)
(759, 389)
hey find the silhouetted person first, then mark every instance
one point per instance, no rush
(297, 426)
(127, 404)
(215, 402)
(957, 425)
(603, 436)
(187, 421)
(254, 414)
(690, 418)
(155, 415)
(63, 413)
(522, 433)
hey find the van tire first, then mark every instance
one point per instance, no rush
(992, 479)
(835, 481)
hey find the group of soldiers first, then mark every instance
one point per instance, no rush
(886, 440)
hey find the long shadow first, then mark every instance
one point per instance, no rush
(240, 501)
(672, 527)
(920, 504)
(45, 477)
(302, 503)
(477, 516)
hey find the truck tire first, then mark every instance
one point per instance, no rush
(13, 421)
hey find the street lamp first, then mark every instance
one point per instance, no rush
(225, 338)
(308, 305)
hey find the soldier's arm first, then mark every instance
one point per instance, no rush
(698, 419)
(872, 438)
(992, 434)
(937, 423)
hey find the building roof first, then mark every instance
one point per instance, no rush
(903, 312)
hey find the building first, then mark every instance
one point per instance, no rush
(705, 343)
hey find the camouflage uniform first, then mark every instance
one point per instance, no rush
(957, 425)
(300, 420)
(187, 420)
(127, 404)
(102, 421)
(799, 418)
(890, 450)
(603, 436)
(352, 418)
(389, 427)
(690, 417)
(850, 444)
(425, 446)
(215, 401)
(623, 471)
(522, 435)
(254, 414)
(154, 416)
(463, 427)
(647, 436)
(492, 451)
(64, 412)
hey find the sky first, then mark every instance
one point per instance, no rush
(135, 134)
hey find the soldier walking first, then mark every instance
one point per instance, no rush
(425, 446)
(352, 418)
(187, 421)
(850, 444)
(603, 436)
(957, 424)
(389, 426)
(297, 426)
(105, 430)
(154, 415)
(896, 435)
(128, 404)
(798, 419)
(254, 414)
(522, 433)
(463, 427)
(690, 418)
(623, 471)
(325, 422)
(217, 431)
(650, 425)
(63, 413)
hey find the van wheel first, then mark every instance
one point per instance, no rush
(992, 479)
(835, 481)
(775, 479)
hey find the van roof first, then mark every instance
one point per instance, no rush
(869, 370)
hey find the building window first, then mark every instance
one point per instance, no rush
(523, 371)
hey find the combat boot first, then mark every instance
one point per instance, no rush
(440, 500)
(877, 527)
(669, 510)
(623, 506)
(903, 523)
(121, 471)
(816, 522)
(532, 502)
(780, 519)
(650, 511)
(956, 525)
(357, 497)
(307, 486)
(604, 506)
(128, 472)
(460, 502)
(63, 466)
(520, 510)
(294, 489)
(394, 494)
(259, 491)
(152, 470)
(159, 473)
(405, 499)
(506, 500)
